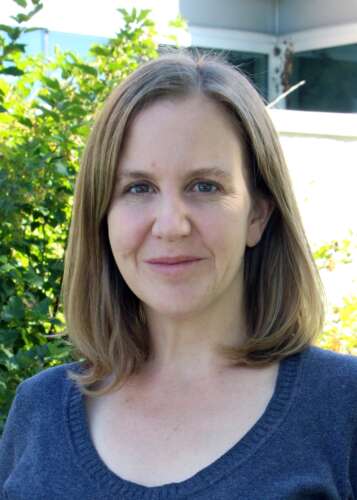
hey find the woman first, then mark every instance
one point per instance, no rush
(192, 297)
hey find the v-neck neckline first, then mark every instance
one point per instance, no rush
(89, 459)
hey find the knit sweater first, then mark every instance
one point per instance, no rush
(304, 446)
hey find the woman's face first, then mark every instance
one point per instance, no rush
(181, 191)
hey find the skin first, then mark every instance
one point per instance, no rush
(173, 213)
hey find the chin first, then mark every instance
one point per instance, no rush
(175, 310)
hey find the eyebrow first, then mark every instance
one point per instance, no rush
(205, 171)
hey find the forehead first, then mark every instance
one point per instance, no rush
(192, 105)
(189, 125)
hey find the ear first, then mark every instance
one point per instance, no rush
(259, 216)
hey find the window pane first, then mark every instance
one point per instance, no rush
(331, 80)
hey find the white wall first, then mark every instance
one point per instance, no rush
(321, 153)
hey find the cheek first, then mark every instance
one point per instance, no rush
(126, 229)
(225, 226)
(224, 233)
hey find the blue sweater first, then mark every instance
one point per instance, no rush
(303, 447)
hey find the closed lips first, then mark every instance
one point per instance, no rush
(172, 260)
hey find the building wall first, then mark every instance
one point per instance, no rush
(269, 16)
(321, 151)
(297, 15)
(252, 15)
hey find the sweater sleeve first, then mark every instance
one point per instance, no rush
(12, 440)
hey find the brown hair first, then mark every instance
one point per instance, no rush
(282, 290)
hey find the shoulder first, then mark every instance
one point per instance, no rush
(49, 376)
(37, 399)
(331, 376)
(48, 384)
(333, 364)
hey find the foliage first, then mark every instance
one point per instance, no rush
(9, 42)
(47, 108)
(340, 332)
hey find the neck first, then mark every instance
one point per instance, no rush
(187, 348)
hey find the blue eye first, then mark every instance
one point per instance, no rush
(143, 188)
(136, 186)
(207, 184)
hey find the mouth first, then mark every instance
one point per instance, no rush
(173, 260)
(175, 268)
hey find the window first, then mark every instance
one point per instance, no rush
(331, 80)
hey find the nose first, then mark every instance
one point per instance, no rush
(171, 219)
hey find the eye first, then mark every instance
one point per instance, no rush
(138, 188)
(207, 187)
(143, 188)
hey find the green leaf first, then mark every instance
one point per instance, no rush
(6, 268)
(72, 56)
(87, 69)
(33, 278)
(41, 309)
(24, 121)
(2, 109)
(20, 18)
(8, 337)
(99, 50)
(15, 47)
(55, 350)
(38, 7)
(48, 112)
(11, 70)
(123, 12)
(13, 33)
(22, 3)
(14, 309)
(143, 14)
(51, 82)
(48, 99)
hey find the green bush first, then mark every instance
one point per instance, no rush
(46, 112)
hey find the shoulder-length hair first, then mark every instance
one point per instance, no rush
(283, 294)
